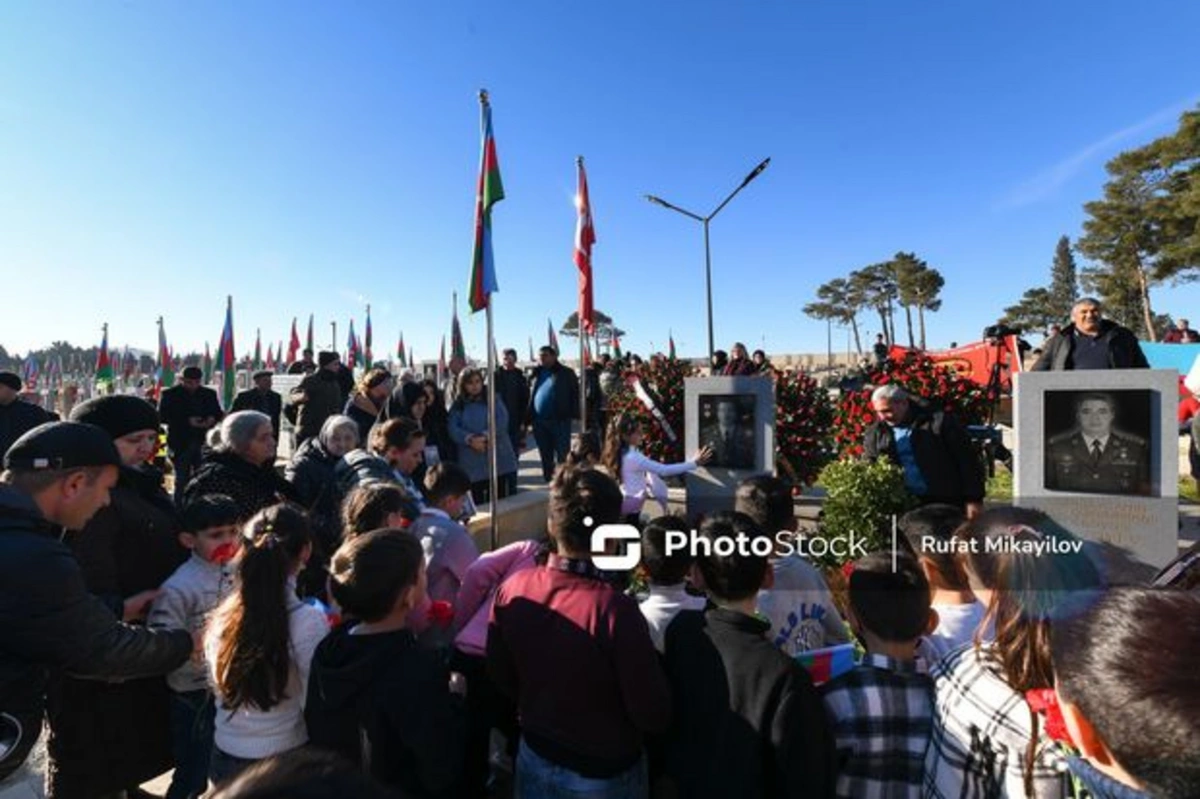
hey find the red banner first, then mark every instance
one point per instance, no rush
(974, 361)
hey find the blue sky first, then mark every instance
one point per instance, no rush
(313, 157)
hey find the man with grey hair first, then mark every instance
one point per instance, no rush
(1181, 333)
(930, 446)
(1091, 342)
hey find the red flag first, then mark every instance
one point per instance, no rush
(270, 365)
(585, 237)
(293, 344)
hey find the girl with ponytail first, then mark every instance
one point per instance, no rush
(260, 643)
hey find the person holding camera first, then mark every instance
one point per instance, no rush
(1091, 342)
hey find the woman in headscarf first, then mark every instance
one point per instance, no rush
(310, 471)
(108, 738)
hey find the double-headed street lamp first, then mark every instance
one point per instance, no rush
(707, 253)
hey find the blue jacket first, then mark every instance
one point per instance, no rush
(470, 419)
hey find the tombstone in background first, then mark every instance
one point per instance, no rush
(736, 417)
(1098, 451)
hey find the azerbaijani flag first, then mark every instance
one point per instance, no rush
(257, 362)
(551, 336)
(585, 237)
(490, 192)
(104, 368)
(351, 348)
(206, 365)
(671, 346)
(823, 665)
(309, 340)
(226, 358)
(166, 369)
(401, 356)
(458, 351)
(367, 357)
(293, 344)
(270, 364)
(616, 344)
(442, 358)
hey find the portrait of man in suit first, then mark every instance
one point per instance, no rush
(1094, 455)
(727, 426)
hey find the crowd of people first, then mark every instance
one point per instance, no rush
(335, 628)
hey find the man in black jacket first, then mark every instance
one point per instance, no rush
(553, 403)
(1091, 342)
(261, 398)
(513, 391)
(18, 417)
(746, 719)
(930, 446)
(189, 410)
(57, 476)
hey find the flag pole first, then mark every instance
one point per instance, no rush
(582, 341)
(493, 433)
(333, 347)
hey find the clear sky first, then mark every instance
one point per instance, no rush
(313, 157)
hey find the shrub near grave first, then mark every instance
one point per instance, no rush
(863, 497)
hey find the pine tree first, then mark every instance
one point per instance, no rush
(1064, 282)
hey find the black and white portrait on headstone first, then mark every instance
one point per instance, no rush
(727, 426)
(1098, 442)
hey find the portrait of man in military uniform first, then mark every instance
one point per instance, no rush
(1094, 456)
(727, 427)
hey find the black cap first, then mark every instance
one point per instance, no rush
(12, 380)
(192, 373)
(62, 445)
(326, 358)
(117, 414)
(263, 373)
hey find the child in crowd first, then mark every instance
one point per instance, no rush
(575, 654)
(375, 506)
(449, 548)
(636, 473)
(929, 531)
(188, 596)
(746, 720)
(1134, 719)
(260, 644)
(797, 603)
(986, 739)
(666, 574)
(375, 697)
(487, 708)
(881, 711)
(585, 450)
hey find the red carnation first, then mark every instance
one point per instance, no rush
(440, 613)
(1044, 702)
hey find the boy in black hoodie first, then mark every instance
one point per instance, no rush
(747, 719)
(375, 697)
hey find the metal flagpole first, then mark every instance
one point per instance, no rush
(582, 380)
(493, 431)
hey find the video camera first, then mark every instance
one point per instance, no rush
(1000, 330)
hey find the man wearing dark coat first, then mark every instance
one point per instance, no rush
(513, 390)
(262, 399)
(1090, 342)
(16, 416)
(1096, 458)
(189, 410)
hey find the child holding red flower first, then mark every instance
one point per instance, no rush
(987, 739)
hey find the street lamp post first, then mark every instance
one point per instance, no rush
(704, 220)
